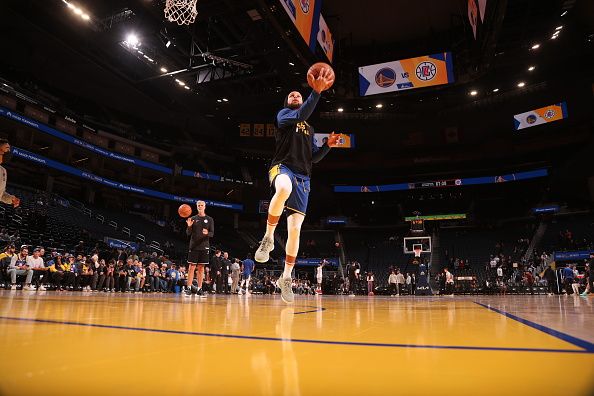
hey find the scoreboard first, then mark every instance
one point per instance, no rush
(417, 225)
(435, 183)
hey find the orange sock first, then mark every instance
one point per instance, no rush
(271, 224)
(289, 264)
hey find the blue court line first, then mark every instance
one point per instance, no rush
(586, 345)
(298, 340)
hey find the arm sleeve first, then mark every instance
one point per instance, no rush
(288, 117)
(319, 153)
(211, 228)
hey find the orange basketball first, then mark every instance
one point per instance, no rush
(316, 68)
(184, 210)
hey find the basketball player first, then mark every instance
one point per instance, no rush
(200, 229)
(290, 173)
(320, 276)
(5, 157)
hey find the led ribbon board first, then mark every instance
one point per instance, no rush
(469, 181)
(43, 161)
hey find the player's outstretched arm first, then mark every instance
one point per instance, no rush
(325, 149)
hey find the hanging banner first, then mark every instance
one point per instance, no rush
(482, 7)
(473, 16)
(423, 71)
(245, 129)
(325, 39)
(540, 116)
(305, 14)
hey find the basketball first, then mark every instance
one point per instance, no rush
(184, 210)
(316, 68)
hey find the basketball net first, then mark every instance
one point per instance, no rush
(417, 252)
(183, 12)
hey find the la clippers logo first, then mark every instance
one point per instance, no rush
(304, 6)
(426, 71)
(385, 77)
(550, 113)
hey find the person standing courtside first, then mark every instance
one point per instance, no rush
(5, 156)
(200, 230)
(248, 267)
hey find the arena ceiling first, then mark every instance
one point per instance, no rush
(242, 56)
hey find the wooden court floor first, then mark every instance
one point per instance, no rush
(96, 343)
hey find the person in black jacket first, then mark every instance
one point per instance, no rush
(216, 271)
(200, 229)
(549, 275)
(225, 269)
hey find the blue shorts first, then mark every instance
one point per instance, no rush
(297, 202)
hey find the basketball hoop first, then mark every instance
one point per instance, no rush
(417, 251)
(183, 12)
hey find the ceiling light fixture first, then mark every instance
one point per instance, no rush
(496, 90)
(521, 84)
(379, 106)
(536, 46)
(132, 40)
(473, 93)
(163, 70)
(531, 68)
(559, 28)
(340, 109)
(564, 13)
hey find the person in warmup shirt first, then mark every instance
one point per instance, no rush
(248, 267)
(370, 280)
(449, 282)
(320, 276)
(392, 283)
(200, 229)
(290, 172)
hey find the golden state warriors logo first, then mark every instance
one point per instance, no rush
(426, 71)
(385, 77)
(531, 119)
(550, 113)
(301, 127)
(304, 6)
